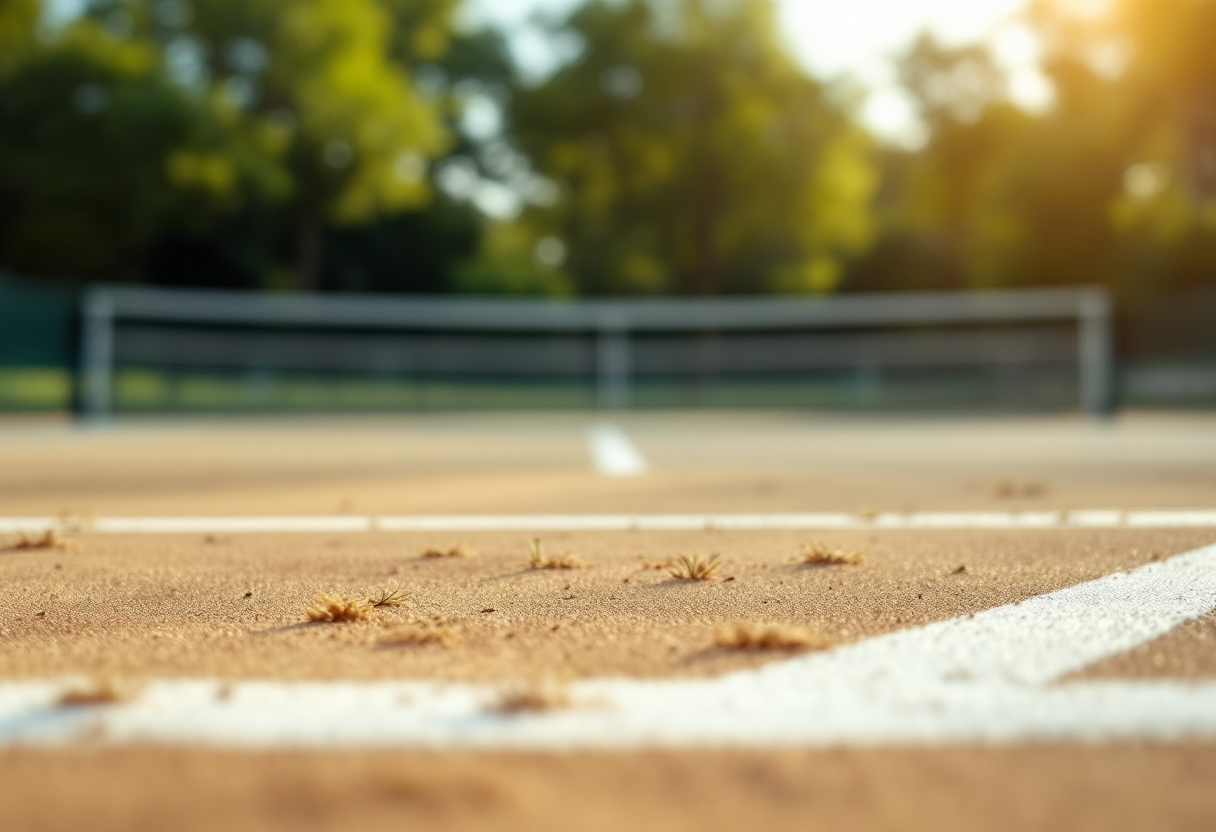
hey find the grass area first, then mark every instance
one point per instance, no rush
(150, 390)
(157, 390)
(35, 388)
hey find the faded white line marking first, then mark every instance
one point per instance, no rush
(1170, 519)
(612, 454)
(1097, 519)
(1087, 519)
(990, 677)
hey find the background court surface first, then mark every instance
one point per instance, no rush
(468, 464)
(143, 607)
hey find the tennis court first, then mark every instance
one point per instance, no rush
(1029, 587)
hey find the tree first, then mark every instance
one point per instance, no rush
(1164, 208)
(693, 156)
(324, 75)
(18, 23)
(999, 196)
(446, 245)
(944, 220)
(411, 245)
(90, 134)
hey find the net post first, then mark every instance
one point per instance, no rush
(612, 362)
(1096, 353)
(96, 354)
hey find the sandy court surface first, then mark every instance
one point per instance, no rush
(232, 606)
(1024, 789)
(135, 607)
(541, 463)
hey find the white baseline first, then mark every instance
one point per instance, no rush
(237, 524)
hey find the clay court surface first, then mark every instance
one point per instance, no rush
(134, 608)
(540, 463)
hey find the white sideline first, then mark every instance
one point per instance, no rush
(1082, 519)
(612, 454)
(992, 677)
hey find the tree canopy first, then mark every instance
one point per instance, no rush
(678, 149)
(693, 156)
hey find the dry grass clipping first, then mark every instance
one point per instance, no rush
(420, 633)
(334, 607)
(817, 554)
(537, 559)
(533, 697)
(96, 692)
(753, 636)
(387, 598)
(695, 568)
(50, 539)
(452, 552)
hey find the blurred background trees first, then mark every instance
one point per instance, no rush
(382, 145)
(692, 156)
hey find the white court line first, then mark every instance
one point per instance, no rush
(612, 454)
(810, 521)
(991, 677)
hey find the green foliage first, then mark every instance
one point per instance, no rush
(362, 135)
(1165, 213)
(89, 133)
(18, 23)
(693, 156)
(1115, 183)
(323, 76)
(293, 143)
(409, 251)
(508, 265)
(148, 124)
(950, 205)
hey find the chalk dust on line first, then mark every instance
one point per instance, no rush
(991, 677)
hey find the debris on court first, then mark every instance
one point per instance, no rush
(537, 559)
(97, 692)
(334, 607)
(436, 552)
(387, 598)
(759, 636)
(696, 568)
(50, 539)
(819, 554)
(533, 697)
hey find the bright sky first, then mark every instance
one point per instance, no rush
(856, 37)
